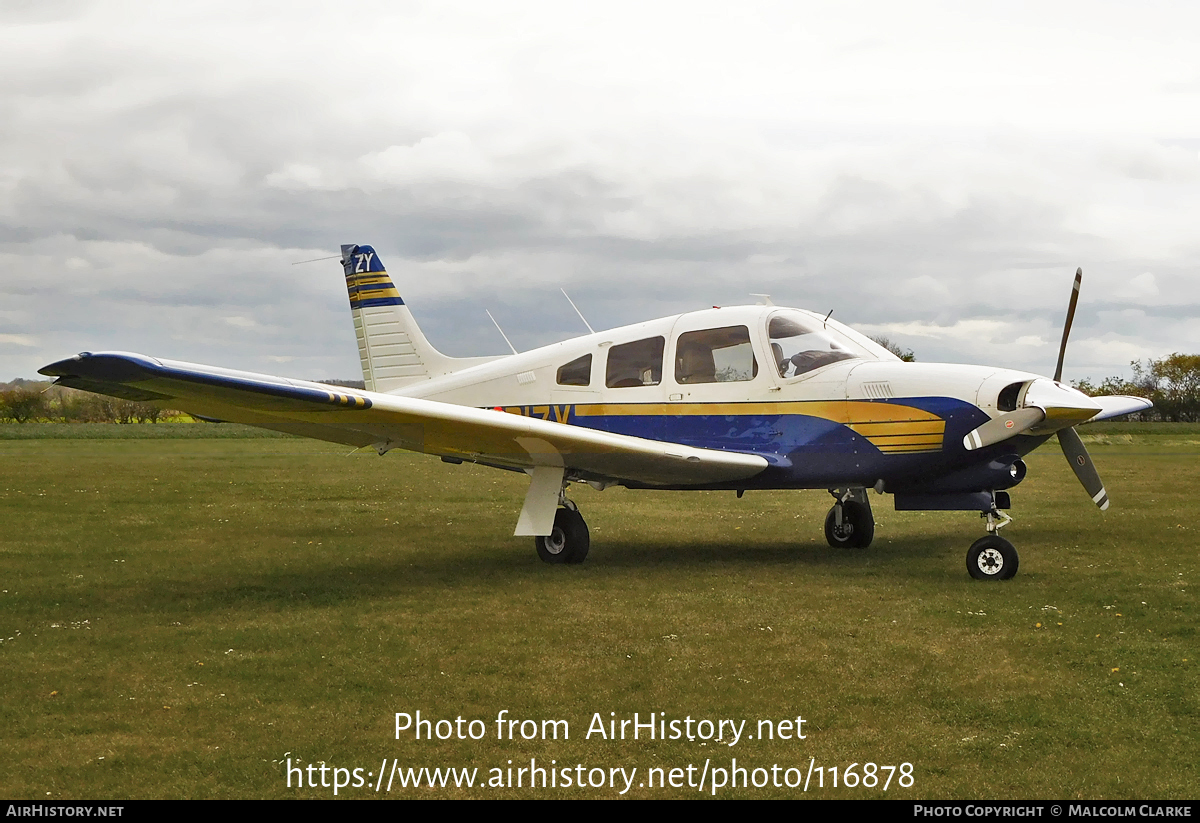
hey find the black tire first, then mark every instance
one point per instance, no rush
(568, 542)
(857, 530)
(992, 558)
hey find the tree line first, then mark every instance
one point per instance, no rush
(1171, 383)
(26, 402)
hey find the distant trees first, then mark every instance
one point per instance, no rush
(40, 401)
(21, 405)
(80, 407)
(1171, 383)
(904, 354)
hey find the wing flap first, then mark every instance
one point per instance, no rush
(362, 418)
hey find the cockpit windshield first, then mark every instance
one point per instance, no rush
(801, 344)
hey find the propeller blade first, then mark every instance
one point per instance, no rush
(1007, 425)
(1081, 464)
(1062, 347)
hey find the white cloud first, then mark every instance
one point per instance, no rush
(1139, 288)
(962, 330)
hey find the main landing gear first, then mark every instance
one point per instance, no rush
(993, 557)
(569, 541)
(850, 523)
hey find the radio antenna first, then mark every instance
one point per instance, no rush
(315, 259)
(577, 311)
(502, 334)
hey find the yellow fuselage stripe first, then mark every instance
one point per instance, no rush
(854, 412)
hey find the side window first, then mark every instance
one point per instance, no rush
(635, 364)
(576, 373)
(715, 356)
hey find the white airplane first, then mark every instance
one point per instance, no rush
(737, 398)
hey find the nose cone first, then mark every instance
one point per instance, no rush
(1063, 405)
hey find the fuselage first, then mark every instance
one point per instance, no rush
(824, 404)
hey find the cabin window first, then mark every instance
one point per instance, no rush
(800, 344)
(576, 373)
(715, 356)
(635, 364)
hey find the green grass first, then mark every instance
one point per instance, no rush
(178, 615)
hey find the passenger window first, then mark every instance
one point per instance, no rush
(635, 364)
(715, 356)
(576, 373)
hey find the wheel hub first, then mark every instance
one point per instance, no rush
(990, 561)
(556, 541)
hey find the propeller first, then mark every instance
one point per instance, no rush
(1068, 438)
(1003, 427)
(1062, 347)
(1060, 406)
(1084, 468)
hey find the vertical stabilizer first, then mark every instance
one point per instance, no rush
(393, 350)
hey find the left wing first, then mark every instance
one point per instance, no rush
(362, 418)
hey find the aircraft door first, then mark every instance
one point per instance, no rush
(714, 377)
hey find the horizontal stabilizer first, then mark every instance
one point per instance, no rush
(1116, 405)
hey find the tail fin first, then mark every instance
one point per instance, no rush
(393, 350)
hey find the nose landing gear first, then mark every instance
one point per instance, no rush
(993, 557)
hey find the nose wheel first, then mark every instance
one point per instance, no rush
(993, 557)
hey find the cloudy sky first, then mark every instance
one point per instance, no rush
(934, 172)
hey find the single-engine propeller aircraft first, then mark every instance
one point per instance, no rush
(737, 398)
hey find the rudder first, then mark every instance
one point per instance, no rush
(393, 350)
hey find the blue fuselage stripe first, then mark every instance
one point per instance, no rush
(806, 451)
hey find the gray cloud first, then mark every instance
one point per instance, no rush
(162, 167)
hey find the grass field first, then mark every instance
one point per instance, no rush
(180, 615)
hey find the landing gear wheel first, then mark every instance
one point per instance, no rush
(857, 529)
(992, 558)
(568, 542)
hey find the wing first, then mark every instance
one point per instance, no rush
(362, 418)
